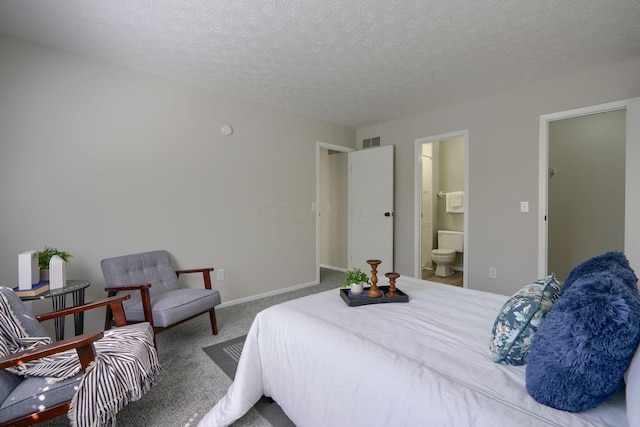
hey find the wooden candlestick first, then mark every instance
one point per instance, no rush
(392, 284)
(374, 291)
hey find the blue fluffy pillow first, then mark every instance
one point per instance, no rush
(580, 353)
(615, 262)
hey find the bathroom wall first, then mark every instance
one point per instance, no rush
(451, 159)
(451, 176)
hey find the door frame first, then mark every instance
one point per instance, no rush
(417, 262)
(314, 207)
(543, 175)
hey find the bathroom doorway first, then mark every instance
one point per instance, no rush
(440, 172)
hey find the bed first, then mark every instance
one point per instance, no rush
(422, 363)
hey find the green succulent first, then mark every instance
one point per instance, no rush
(354, 275)
(45, 256)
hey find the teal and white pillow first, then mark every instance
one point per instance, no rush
(519, 319)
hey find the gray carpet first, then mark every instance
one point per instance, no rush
(226, 355)
(190, 382)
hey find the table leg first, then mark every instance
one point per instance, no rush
(58, 304)
(78, 318)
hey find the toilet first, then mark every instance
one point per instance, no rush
(449, 242)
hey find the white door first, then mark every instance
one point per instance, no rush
(370, 177)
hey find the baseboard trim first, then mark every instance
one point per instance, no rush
(332, 267)
(265, 294)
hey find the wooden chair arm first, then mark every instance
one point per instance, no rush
(82, 343)
(144, 294)
(112, 290)
(193, 270)
(112, 301)
(206, 274)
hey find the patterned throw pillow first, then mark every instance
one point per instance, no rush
(519, 320)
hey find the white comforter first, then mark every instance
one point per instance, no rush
(421, 363)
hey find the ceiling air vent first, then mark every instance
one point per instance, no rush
(371, 142)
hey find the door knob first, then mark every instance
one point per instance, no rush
(388, 214)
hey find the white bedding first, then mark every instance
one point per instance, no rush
(422, 363)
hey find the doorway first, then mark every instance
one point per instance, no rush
(631, 108)
(586, 189)
(440, 171)
(330, 206)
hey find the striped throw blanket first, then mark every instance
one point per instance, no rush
(124, 369)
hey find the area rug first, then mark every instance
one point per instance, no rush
(226, 355)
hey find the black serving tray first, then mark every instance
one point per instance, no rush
(357, 300)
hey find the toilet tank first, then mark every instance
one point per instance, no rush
(448, 239)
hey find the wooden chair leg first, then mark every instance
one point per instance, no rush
(214, 324)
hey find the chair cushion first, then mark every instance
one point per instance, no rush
(520, 318)
(35, 394)
(153, 267)
(8, 382)
(175, 306)
(582, 350)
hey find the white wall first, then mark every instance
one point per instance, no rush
(503, 169)
(102, 161)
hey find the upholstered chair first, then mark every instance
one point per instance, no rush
(156, 297)
(30, 400)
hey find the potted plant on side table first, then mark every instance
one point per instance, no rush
(44, 257)
(355, 278)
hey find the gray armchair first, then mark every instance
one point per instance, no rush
(30, 400)
(156, 296)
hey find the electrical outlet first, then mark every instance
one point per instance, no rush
(220, 273)
(492, 272)
(524, 207)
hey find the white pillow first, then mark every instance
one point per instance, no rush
(632, 388)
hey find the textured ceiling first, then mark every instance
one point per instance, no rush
(349, 62)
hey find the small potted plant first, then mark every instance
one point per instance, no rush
(355, 278)
(44, 257)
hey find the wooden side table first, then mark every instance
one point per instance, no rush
(58, 298)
